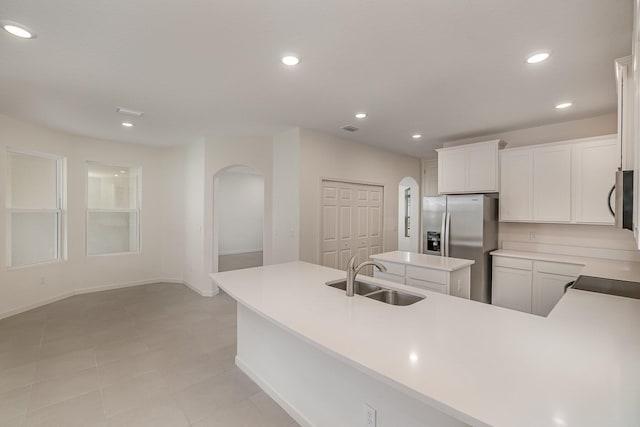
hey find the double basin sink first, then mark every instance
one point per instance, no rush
(378, 293)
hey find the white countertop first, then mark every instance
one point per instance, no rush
(597, 267)
(424, 260)
(482, 364)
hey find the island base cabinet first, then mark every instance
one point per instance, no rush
(548, 288)
(511, 288)
(316, 388)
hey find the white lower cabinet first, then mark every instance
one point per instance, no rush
(457, 283)
(529, 285)
(511, 288)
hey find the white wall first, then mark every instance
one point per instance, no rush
(25, 287)
(239, 202)
(330, 157)
(593, 126)
(286, 196)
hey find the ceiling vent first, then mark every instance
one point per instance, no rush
(350, 128)
(128, 112)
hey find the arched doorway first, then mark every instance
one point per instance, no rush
(238, 218)
(408, 215)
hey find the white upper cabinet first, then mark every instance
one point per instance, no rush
(564, 182)
(593, 176)
(552, 184)
(516, 185)
(471, 168)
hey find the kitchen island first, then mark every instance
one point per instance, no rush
(443, 361)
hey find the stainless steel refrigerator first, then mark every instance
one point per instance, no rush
(463, 226)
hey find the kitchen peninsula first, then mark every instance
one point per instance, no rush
(443, 361)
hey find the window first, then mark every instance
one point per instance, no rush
(113, 209)
(407, 212)
(35, 215)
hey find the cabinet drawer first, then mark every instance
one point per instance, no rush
(430, 286)
(390, 277)
(430, 275)
(518, 263)
(393, 268)
(557, 268)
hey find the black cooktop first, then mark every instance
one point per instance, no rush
(620, 288)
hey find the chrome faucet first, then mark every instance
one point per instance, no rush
(352, 272)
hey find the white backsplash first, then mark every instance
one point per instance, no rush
(569, 239)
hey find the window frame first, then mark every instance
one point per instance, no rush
(137, 210)
(60, 210)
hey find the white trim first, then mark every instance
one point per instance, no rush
(241, 251)
(208, 293)
(81, 291)
(288, 407)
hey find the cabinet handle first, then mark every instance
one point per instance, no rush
(613, 214)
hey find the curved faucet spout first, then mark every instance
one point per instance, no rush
(353, 270)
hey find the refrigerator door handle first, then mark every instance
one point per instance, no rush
(447, 233)
(443, 234)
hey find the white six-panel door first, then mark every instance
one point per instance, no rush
(351, 222)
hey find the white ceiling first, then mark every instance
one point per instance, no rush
(447, 69)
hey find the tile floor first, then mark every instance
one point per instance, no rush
(239, 261)
(155, 355)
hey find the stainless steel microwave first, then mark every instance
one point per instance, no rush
(623, 188)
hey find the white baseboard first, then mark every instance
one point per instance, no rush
(208, 293)
(241, 251)
(284, 404)
(28, 307)
(81, 291)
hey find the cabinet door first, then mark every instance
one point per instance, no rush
(552, 184)
(547, 290)
(516, 185)
(481, 169)
(452, 171)
(594, 167)
(511, 288)
(430, 286)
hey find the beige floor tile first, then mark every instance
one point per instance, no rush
(124, 369)
(161, 412)
(17, 377)
(65, 364)
(241, 414)
(81, 411)
(132, 393)
(66, 387)
(119, 349)
(194, 370)
(13, 404)
(203, 399)
(270, 409)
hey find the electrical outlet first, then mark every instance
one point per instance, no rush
(369, 416)
(43, 281)
(533, 236)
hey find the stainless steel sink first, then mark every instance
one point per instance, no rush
(394, 297)
(378, 293)
(360, 288)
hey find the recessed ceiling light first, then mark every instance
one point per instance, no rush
(538, 57)
(123, 172)
(416, 136)
(127, 124)
(115, 174)
(361, 115)
(564, 105)
(290, 60)
(18, 30)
